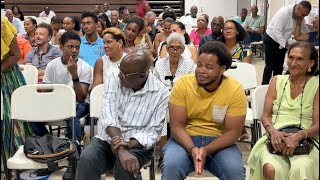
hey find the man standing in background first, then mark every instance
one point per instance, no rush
(277, 35)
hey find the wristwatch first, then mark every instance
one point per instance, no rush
(75, 79)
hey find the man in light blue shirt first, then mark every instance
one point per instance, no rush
(91, 48)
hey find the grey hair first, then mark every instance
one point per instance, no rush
(149, 14)
(174, 36)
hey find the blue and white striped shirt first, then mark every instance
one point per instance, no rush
(139, 115)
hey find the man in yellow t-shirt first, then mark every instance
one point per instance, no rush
(207, 115)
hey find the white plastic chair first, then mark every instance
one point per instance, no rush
(96, 101)
(257, 104)
(246, 75)
(30, 74)
(40, 103)
(96, 97)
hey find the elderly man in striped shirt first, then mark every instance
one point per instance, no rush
(133, 115)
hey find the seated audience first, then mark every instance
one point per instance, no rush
(243, 16)
(41, 55)
(91, 48)
(68, 24)
(30, 26)
(312, 37)
(17, 13)
(233, 36)
(190, 19)
(97, 9)
(56, 24)
(150, 17)
(189, 52)
(133, 113)
(291, 100)
(101, 26)
(105, 19)
(75, 72)
(124, 14)
(47, 13)
(162, 37)
(25, 47)
(144, 37)
(171, 67)
(133, 28)
(114, 41)
(207, 114)
(254, 25)
(217, 24)
(201, 30)
(106, 10)
(15, 22)
(115, 20)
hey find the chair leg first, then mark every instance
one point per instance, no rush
(152, 169)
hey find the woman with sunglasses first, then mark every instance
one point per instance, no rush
(114, 41)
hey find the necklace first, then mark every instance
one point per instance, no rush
(292, 85)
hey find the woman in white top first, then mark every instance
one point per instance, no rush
(114, 41)
(190, 51)
(168, 69)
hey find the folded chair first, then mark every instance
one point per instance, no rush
(40, 103)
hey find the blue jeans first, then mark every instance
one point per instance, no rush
(40, 129)
(226, 164)
(255, 37)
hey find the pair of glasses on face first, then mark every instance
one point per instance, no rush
(229, 28)
(178, 49)
(123, 76)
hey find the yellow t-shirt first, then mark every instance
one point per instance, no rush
(206, 111)
(8, 31)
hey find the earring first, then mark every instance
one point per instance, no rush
(309, 69)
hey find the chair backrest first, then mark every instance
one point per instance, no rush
(30, 74)
(43, 103)
(96, 100)
(244, 73)
(257, 102)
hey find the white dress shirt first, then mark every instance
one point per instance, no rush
(17, 23)
(50, 15)
(283, 24)
(139, 115)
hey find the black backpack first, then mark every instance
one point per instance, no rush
(49, 149)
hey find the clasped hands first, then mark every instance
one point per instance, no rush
(120, 148)
(199, 155)
(284, 142)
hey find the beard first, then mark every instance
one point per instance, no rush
(211, 81)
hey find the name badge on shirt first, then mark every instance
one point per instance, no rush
(219, 113)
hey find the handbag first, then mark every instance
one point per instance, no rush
(304, 147)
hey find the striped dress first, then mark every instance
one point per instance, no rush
(10, 80)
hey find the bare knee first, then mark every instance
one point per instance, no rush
(268, 171)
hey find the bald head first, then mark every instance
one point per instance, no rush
(134, 69)
(138, 59)
(9, 14)
(194, 11)
(254, 10)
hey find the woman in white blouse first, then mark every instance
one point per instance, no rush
(169, 68)
(114, 41)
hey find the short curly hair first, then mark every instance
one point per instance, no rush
(116, 33)
(218, 49)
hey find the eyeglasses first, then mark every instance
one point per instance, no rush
(123, 76)
(229, 28)
(178, 49)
